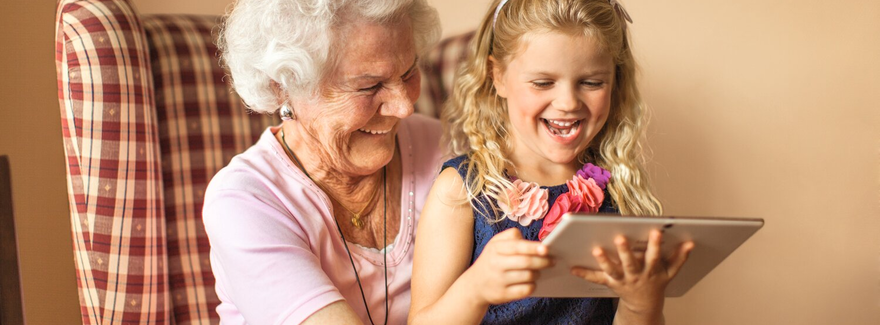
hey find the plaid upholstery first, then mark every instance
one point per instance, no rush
(114, 183)
(147, 120)
(202, 125)
(438, 71)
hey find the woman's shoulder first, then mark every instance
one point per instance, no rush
(260, 175)
(420, 141)
(259, 164)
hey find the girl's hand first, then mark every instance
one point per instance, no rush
(639, 281)
(508, 268)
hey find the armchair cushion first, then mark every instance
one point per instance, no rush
(147, 119)
(114, 179)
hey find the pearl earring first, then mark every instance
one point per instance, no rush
(286, 113)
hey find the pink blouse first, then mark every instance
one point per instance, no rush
(275, 251)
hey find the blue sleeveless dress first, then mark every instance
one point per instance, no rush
(593, 311)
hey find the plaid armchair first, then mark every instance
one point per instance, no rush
(147, 119)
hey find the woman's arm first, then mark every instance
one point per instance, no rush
(263, 262)
(336, 313)
(444, 289)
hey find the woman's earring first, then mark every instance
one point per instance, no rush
(286, 113)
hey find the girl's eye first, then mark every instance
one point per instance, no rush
(371, 89)
(542, 84)
(593, 84)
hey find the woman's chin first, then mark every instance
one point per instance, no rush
(366, 162)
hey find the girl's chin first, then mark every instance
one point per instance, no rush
(563, 158)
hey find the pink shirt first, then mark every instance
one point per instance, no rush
(275, 251)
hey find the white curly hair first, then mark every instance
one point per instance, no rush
(290, 43)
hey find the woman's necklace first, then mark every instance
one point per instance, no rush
(355, 216)
(384, 226)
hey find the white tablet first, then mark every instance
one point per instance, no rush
(574, 238)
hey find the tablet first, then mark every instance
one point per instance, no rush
(572, 241)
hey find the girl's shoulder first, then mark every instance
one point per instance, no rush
(458, 163)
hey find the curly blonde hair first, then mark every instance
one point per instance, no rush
(476, 118)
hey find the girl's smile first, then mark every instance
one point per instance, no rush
(562, 131)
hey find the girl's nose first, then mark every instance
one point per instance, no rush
(566, 99)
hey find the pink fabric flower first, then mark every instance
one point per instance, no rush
(595, 172)
(583, 195)
(587, 192)
(565, 203)
(523, 202)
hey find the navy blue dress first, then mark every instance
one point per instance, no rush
(593, 311)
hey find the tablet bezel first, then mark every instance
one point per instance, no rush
(573, 239)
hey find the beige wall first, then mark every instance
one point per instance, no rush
(30, 134)
(761, 109)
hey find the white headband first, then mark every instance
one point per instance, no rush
(497, 10)
(616, 5)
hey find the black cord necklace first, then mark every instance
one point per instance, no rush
(384, 237)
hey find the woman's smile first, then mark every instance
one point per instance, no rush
(376, 130)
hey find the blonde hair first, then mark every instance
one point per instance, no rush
(476, 117)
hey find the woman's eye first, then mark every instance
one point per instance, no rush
(371, 89)
(409, 76)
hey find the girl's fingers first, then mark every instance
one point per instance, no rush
(678, 259)
(521, 276)
(519, 291)
(652, 254)
(630, 264)
(606, 264)
(522, 247)
(512, 233)
(524, 262)
(594, 276)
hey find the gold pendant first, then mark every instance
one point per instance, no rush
(356, 221)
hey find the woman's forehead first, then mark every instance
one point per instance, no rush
(371, 50)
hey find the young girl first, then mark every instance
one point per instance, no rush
(546, 117)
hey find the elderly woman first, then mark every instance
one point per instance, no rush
(315, 222)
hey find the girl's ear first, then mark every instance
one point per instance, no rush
(497, 77)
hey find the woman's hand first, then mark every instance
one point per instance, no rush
(639, 281)
(507, 268)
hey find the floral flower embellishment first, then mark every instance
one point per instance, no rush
(523, 202)
(585, 194)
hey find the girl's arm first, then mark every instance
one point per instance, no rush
(639, 281)
(444, 289)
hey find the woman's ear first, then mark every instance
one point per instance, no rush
(280, 92)
(497, 77)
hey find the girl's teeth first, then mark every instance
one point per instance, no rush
(561, 123)
(562, 129)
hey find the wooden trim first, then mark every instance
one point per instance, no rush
(11, 312)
